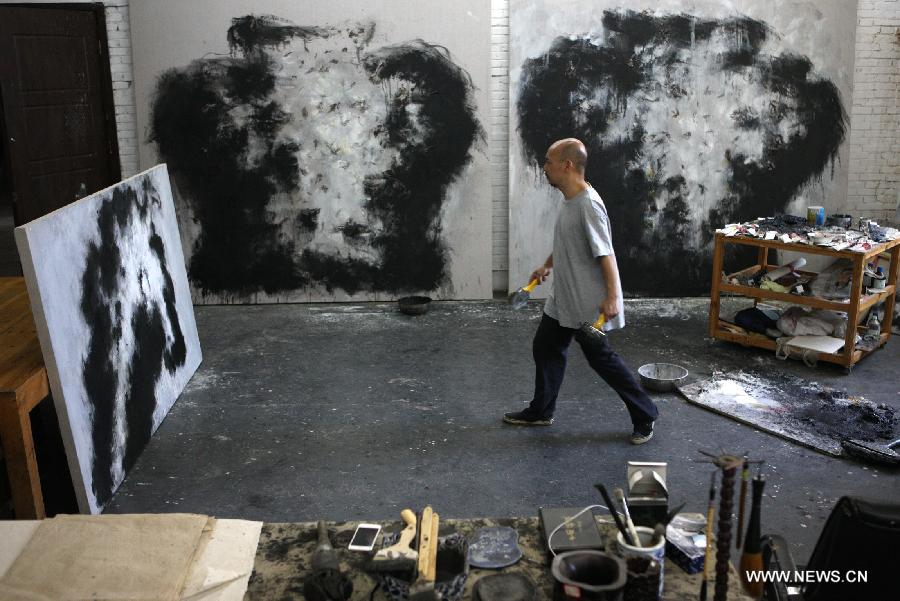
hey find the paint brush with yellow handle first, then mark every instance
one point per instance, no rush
(519, 298)
(592, 333)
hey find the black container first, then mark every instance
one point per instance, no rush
(844, 221)
(588, 576)
(414, 305)
(451, 572)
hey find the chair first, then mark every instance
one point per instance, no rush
(861, 537)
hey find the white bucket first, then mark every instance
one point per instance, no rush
(636, 558)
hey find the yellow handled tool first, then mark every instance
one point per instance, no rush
(519, 298)
(592, 334)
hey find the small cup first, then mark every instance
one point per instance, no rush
(645, 565)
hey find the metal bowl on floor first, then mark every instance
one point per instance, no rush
(662, 377)
(414, 305)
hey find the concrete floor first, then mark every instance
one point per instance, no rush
(352, 412)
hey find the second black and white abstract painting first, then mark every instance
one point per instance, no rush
(695, 114)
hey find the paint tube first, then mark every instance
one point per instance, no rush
(785, 269)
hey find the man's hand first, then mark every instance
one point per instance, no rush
(610, 307)
(540, 274)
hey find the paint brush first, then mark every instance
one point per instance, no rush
(620, 497)
(751, 559)
(519, 298)
(710, 513)
(592, 333)
(615, 513)
(745, 476)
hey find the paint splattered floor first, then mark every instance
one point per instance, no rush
(348, 412)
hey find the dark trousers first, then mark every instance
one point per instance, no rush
(550, 348)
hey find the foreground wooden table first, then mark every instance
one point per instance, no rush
(23, 384)
(283, 560)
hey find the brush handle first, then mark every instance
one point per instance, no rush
(745, 475)
(707, 556)
(531, 285)
(707, 563)
(751, 559)
(620, 497)
(612, 509)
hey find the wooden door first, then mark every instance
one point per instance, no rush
(57, 105)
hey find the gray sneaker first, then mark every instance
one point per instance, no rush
(523, 418)
(642, 433)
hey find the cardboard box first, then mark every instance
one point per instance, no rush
(647, 494)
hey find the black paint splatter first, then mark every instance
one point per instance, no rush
(240, 250)
(641, 55)
(101, 305)
(354, 231)
(251, 33)
(308, 220)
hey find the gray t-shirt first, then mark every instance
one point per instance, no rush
(581, 235)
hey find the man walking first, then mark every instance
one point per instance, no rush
(586, 284)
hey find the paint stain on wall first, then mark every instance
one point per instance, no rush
(690, 124)
(309, 160)
(134, 334)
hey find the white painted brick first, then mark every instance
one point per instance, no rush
(499, 157)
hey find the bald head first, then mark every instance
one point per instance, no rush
(570, 149)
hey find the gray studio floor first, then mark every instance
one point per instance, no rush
(353, 412)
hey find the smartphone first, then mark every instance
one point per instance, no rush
(364, 537)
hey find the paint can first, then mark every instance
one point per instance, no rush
(645, 565)
(840, 220)
(815, 215)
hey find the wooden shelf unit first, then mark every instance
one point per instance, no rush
(857, 303)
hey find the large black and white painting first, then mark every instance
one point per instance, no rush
(113, 311)
(321, 158)
(695, 115)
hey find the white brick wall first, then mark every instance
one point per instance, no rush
(873, 188)
(118, 33)
(498, 132)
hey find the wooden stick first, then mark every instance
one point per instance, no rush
(707, 559)
(745, 476)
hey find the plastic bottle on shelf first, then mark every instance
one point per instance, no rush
(873, 327)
